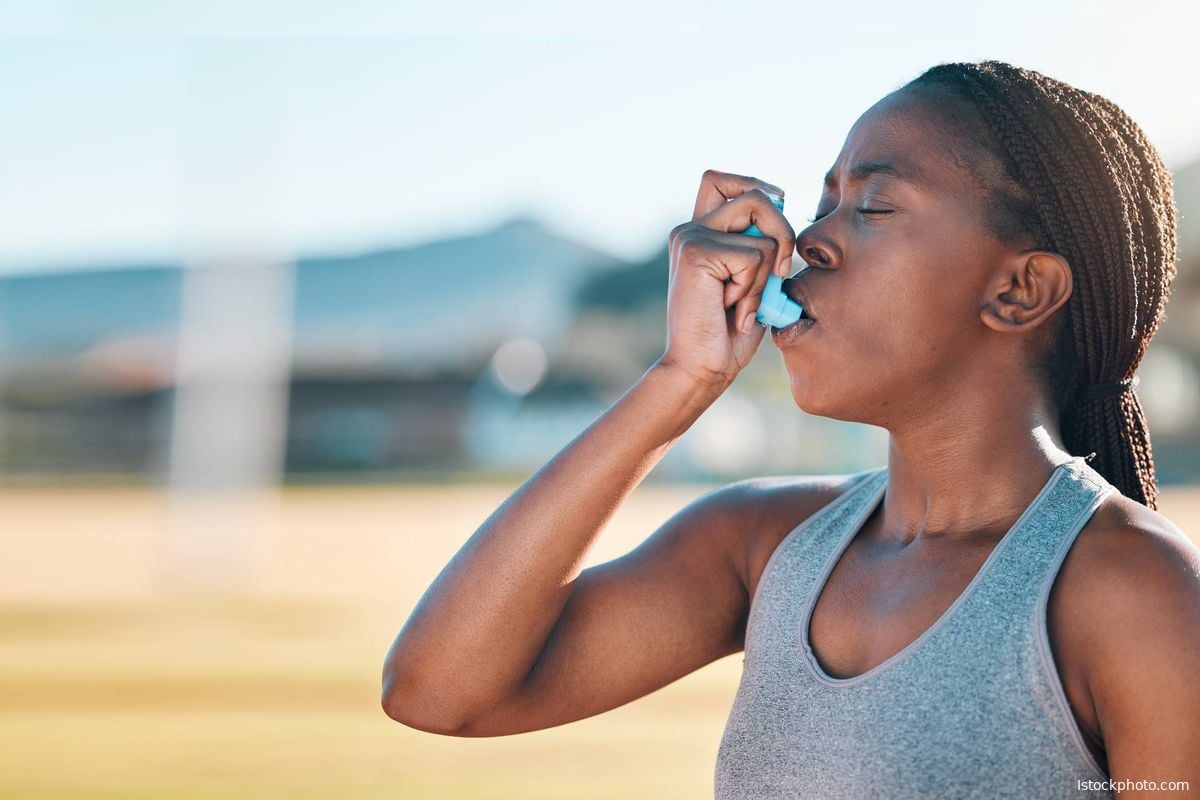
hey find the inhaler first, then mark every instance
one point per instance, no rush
(776, 308)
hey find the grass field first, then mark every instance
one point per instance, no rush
(125, 675)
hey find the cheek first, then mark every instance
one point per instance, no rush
(913, 330)
(921, 303)
(902, 314)
(888, 318)
(895, 333)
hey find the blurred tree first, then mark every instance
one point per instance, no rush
(627, 290)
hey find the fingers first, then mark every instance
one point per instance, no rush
(753, 207)
(746, 264)
(731, 258)
(748, 298)
(740, 262)
(715, 242)
(717, 188)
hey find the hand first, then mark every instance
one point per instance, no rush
(717, 275)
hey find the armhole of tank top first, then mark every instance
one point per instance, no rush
(1042, 634)
(853, 482)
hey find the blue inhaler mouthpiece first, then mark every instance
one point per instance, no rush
(776, 308)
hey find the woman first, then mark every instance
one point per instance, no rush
(989, 614)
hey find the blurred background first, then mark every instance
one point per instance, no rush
(292, 296)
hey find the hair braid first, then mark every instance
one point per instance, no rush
(1082, 180)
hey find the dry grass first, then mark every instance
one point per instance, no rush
(119, 678)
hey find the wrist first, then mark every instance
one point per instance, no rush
(692, 381)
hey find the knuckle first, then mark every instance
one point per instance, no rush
(759, 192)
(689, 247)
(676, 232)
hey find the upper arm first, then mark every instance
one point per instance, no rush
(636, 623)
(1144, 682)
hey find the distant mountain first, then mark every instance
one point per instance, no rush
(445, 300)
(403, 308)
(628, 289)
(427, 307)
(60, 314)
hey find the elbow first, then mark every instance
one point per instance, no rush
(423, 713)
(410, 716)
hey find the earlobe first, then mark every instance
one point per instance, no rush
(1027, 292)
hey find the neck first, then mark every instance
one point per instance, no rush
(972, 472)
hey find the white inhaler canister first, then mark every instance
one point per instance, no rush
(776, 308)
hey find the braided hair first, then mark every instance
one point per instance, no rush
(1073, 174)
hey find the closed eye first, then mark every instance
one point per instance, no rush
(864, 211)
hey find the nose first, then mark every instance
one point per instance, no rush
(814, 255)
(813, 250)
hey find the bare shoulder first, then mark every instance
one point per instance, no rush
(1127, 564)
(1131, 556)
(761, 512)
(1128, 608)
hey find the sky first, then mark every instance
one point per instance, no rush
(156, 131)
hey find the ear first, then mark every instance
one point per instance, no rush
(1026, 291)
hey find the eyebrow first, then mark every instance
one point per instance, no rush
(861, 172)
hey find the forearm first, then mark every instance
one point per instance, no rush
(481, 625)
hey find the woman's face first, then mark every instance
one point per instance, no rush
(898, 260)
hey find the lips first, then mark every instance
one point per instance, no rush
(793, 289)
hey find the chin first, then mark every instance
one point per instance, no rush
(806, 396)
(823, 403)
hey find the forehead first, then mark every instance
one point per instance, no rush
(901, 138)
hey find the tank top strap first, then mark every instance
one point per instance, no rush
(796, 562)
(1020, 570)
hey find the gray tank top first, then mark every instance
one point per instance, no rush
(972, 708)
